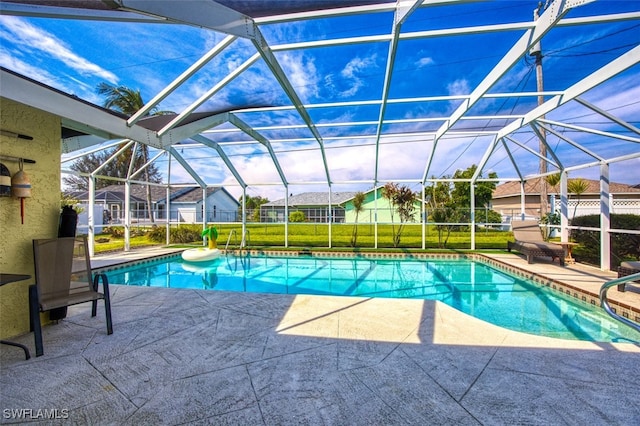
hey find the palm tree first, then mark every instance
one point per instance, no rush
(402, 199)
(358, 207)
(129, 101)
(553, 180)
(577, 187)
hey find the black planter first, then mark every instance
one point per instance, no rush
(66, 228)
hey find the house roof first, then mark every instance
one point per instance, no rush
(139, 194)
(311, 199)
(532, 187)
(105, 195)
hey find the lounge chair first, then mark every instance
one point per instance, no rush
(627, 268)
(64, 278)
(530, 243)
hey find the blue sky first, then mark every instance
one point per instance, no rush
(75, 56)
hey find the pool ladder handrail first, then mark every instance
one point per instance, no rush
(605, 303)
(233, 232)
(243, 242)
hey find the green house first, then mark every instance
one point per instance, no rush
(384, 209)
(315, 206)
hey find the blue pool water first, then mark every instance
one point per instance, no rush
(469, 286)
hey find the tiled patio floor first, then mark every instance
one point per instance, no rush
(203, 357)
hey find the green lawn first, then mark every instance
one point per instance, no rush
(310, 235)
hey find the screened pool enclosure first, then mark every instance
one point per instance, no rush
(277, 98)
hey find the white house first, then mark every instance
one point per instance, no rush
(185, 205)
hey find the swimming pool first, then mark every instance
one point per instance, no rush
(470, 286)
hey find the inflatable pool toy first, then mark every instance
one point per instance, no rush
(203, 254)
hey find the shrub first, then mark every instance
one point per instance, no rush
(493, 217)
(623, 246)
(114, 231)
(180, 235)
(297, 216)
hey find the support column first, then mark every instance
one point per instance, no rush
(375, 217)
(423, 215)
(168, 211)
(564, 207)
(204, 214)
(522, 201)
(167, 204)
(605, 219)
(286, 217)
(330, 217)
(243, 239)
(90, 216)
(472, 194)
(127, 216)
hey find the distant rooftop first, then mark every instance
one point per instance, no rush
(314, 199)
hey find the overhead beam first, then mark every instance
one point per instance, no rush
(189, 72)
(608, 115)
(187, 167)
(403, 10)
(183, 132)
(262, 140)
(483, 162)
(92, 151)
(554, 12)
(571, 142)
(97, 120)
(147, 164)
(543, 139)
(211, 144)
(44, 11)
(514, 163)
(207, 95)
(76, 143)
(589, 130)
(531, 151)
(267, 55)
(204, 14)
(618, 65)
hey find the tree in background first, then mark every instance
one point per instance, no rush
(358, 207)
(553, 180)
(577, 187)
(462, 190)
(401, 199)
(443, 210)
(129, 101)
(450, 203)
(253, 204)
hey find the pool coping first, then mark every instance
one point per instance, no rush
(583, 295)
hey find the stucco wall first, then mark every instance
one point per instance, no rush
(41, 210)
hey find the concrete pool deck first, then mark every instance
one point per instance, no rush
(203, 357)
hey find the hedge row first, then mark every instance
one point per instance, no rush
(623, 246)
(178, 235)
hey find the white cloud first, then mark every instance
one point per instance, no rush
(354, 70)
(33, 38)
(458, 87)
(302, 74)
(424, 61)
(21, 67)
